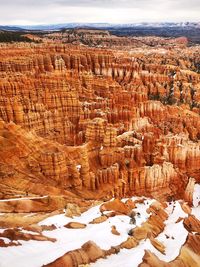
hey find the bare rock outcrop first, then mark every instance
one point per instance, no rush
(88, 253)
(99, 122)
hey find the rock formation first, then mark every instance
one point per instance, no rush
(88, 253)
(113, 122)
(86, 116)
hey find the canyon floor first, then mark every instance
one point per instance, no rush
(99, 151)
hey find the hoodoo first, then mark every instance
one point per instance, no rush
(99, 150)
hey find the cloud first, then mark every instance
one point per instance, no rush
(80, 3)
(115, 11)
(192, 4)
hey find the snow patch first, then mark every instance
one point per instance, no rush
(196, 195)
(45, 252)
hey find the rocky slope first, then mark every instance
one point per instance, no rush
(114, 123)
(128, 232)
(104, 38)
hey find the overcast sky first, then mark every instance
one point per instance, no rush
(20, 12)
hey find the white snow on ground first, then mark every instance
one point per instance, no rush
(177, 237)
(196, 195)
(29, 232)
(174, 211)
(6, 240)
(196, 212)
(22, 198)
(196, 201)
(141, 208)
(58, 220)
(1, 231)
(135, 255)
(69, 239)
(175, 231)
(126, 257)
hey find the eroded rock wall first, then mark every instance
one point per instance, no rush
(108, 122)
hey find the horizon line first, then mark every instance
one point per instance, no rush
(111, 23)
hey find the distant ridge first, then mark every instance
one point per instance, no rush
(53, 27)
(10, 28)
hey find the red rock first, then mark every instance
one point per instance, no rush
(99, 122)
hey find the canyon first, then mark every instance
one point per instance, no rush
(93, 121)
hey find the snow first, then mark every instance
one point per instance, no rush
(196, 195)
(29, 232)
(196, 201)
(6, 240)
(61, 219)
(176, 232)
(142, 211)
(69, 239)
(196, 212)
(126, 257)
(177, 237)
(135, 255)
(21, 255)
(78, 167)
(58, 220)
(175, 212)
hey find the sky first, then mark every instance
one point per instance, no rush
(34, 12)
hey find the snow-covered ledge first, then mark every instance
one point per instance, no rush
(196, 201)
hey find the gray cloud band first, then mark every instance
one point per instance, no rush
(120, 11)
(192, 4)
